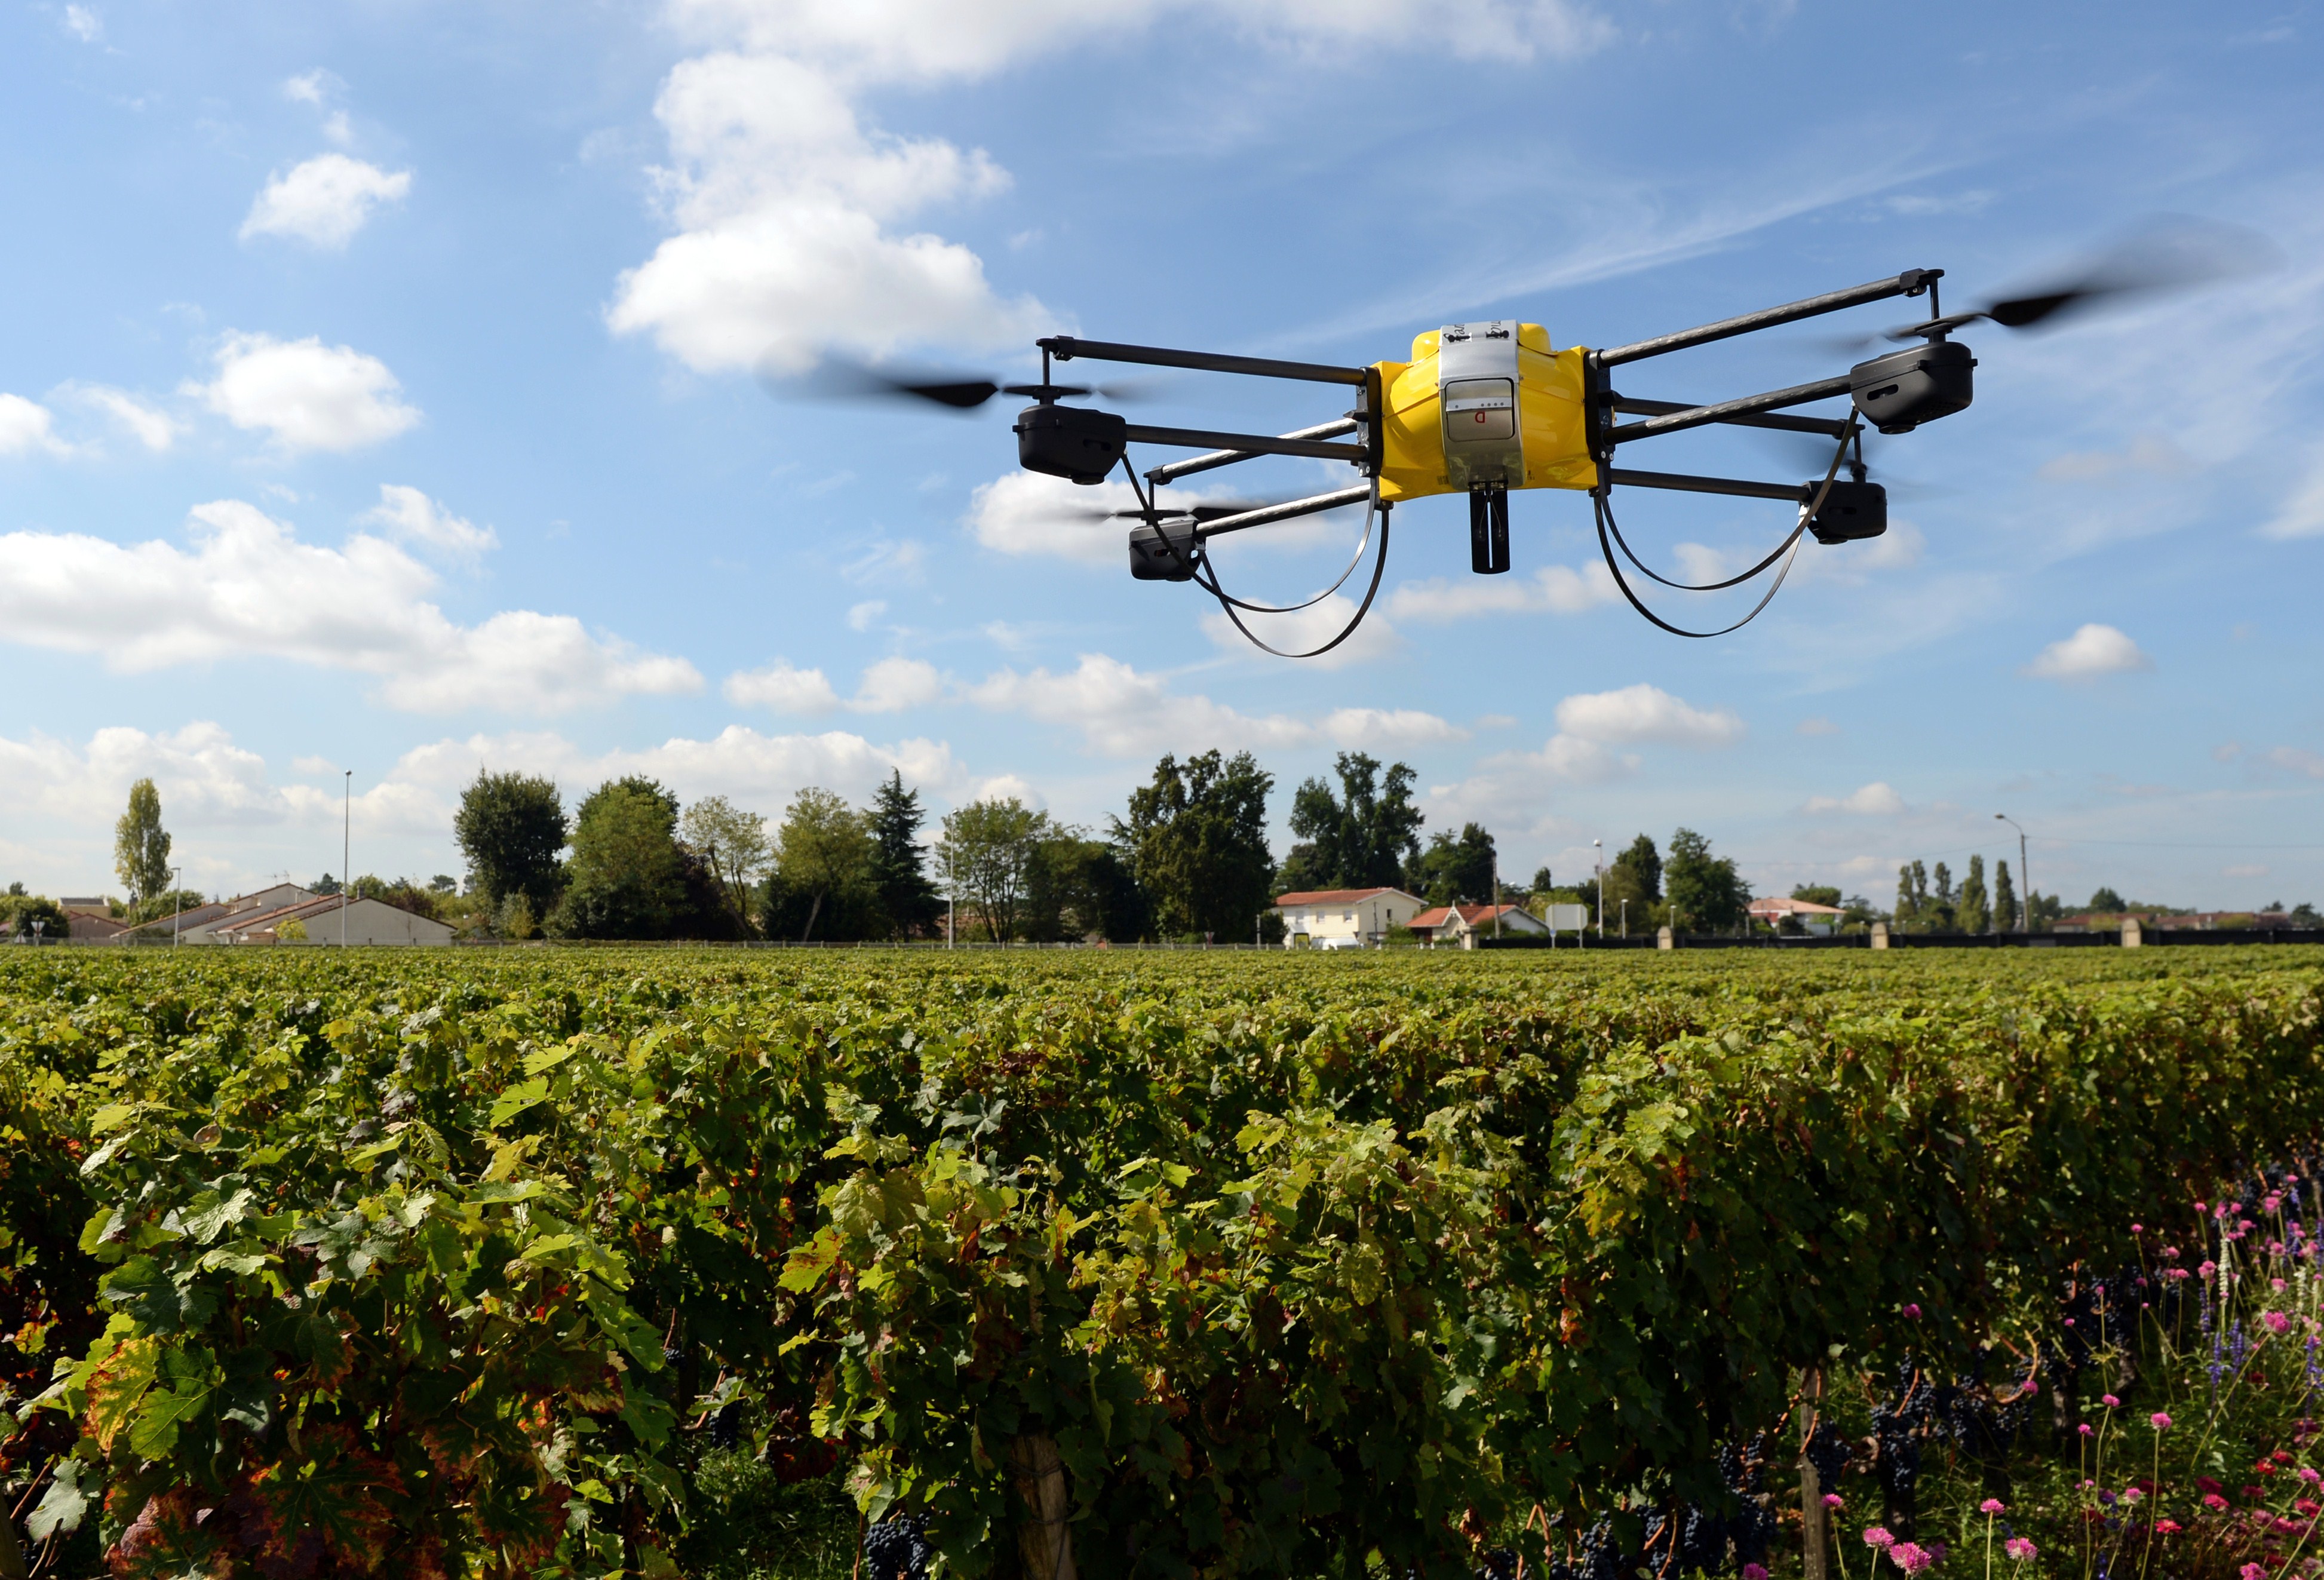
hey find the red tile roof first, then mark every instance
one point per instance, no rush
(1472, 914)
(1335, 896)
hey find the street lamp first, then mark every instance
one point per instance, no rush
(1598, 861)
(2024, 875)
(346, 845)
(177, 902)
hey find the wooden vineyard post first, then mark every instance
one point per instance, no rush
(1815, 1559)
(1043, 1542)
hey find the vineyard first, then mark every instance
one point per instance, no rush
(528, 1264)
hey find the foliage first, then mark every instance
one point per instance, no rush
(909, 905)
(290, 930)
(460, 1264)
(1457, 868)
(2106, 902)
(824, 856)
(2006, 916)
(1362, 838)
(1195, 840)
(22, 911)
(626, 880)
(1816, 893)
(732, 845)
(140, 845)
(1078, 887)
(1973, 910)
(1636, 875)
(510, 828)
(1704, 891)
(987, 856)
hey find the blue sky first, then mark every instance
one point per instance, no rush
(376, 393)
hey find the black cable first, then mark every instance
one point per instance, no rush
(1379, 566)
(1203, 556)
(1604, 511)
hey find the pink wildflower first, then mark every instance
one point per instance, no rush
(2207, 1268)
(1877, 1536)
(1832, 1500)
(2159, 1421)
(2168, 1527)
(2138, 1228)
(2019, 1547)
(2087, 1430)
(2252, 1572)
(2276, 1284)
(1912, 1311)
(2111, 1401)
(1754, 1572)
(2032, 1388)
(2214, 1502)
(1993, 1506)
(2308, 1473)
(2277, 1322)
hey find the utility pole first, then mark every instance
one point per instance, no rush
(347, 846)
(1598, 848)
(2025, 877)
(1497, 894)
(177, 903)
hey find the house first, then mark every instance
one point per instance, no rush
(1462, 926)
(1344, 919)
(194, 925)
(94, 926)
(324, 921)
(1812, 916)
(88, 905)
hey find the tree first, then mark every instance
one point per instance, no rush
(1634, 875)
(2005, 918)
(511, 827)
(1457, 868)
(908, 902)
(824, 854)
(1362, 838)
(732, 846)
(1915, 909)
(1705, 890)
(2045, 909)
(2106, 901)
(986, 857)
(1196, 842)
(1078, 887)
(26, 912)
(626, 880)
(1816, 893)
(140, 845)
(1973, 910)
(2304, 915)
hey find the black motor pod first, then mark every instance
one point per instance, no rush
(1489, 530)
(1070, 441)
(1899, 392)
(1164, 552)
(1850, 511)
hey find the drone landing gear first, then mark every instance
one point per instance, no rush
(1489, 529)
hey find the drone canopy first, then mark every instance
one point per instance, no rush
(1484, 406)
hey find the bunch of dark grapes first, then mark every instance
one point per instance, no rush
(897, 1549)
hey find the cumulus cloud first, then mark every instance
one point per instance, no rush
(152, 427)
(83, 22)
(798, 228)
(1554, 589)
(2150, 454)
(792, 228)
(895, 684)
(308, 396)
(1122, 712)
(323, 201)
(781, 687)
(407, 513)
(248, 588)
(26, 426)
(1305, 630)
(757, 771)
(1875, 799)
(1030, 512)
(2091, 652)
(1646, 713)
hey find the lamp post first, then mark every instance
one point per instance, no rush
(347, 846)
(2025, 876)
(177, 902)
(1597, 858)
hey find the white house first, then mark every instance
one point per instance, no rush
(321, 919)
(197, 924)
(1344, 919)
(1815, 918)
(1462, 926)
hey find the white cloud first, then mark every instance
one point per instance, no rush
(324, 201)
(83, 22)
(1031, 513)
(793, 231)
(2303, 512)
(1121, 712)
(1646, 713)
(1818, 725)
(760, 772)
(796, 222)
(308, 395)
(860, 616)
(1875, 799)
(314, 87)
(249, 587)
(26, 426)
(2298, 761)
(2152, 454)
(781, 687)
(888, 561)
(2245, 870)
(154, 429)
(411, 515)
(1554, 589)
(895, 684)
(2091, 652)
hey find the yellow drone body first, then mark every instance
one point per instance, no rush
(1484, 406)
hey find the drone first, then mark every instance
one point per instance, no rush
(1490, 408)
